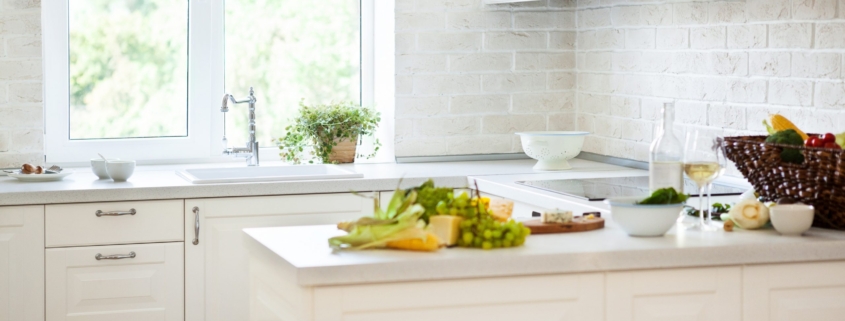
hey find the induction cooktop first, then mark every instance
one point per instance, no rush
(597, 189)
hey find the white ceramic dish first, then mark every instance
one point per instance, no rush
(643, 220)
(120, 170)
(98, 166)
(792, 219)
(39, 177)
(552, 149)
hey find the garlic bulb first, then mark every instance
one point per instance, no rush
(749, 214)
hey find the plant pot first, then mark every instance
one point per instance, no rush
(344, 151)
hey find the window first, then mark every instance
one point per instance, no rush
(143, 79)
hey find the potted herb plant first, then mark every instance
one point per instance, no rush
(331, 132)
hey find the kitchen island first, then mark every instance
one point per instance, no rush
(597, 275)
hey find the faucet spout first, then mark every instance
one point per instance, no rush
(251, 150)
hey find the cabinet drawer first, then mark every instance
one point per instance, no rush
(148, 286)
(79, 224)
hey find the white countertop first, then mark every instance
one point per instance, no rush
(161, 182)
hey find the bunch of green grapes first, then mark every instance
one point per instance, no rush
(429, 196)
(479, 229)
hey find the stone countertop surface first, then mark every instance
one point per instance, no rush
(161, 182)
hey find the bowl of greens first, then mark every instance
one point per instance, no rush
(647, 216)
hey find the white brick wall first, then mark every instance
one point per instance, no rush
(21, 113)
(727, 63)
(469, 75)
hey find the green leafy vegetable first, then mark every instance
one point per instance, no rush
(788, 137)
(664, 196)
(370, 232)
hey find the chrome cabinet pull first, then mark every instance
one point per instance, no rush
(100, 213)
(196, 225)
(99, 256)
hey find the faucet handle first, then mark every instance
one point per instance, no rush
(224, 107)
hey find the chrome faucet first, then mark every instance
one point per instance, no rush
(250, 152)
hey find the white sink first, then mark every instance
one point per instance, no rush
(265, 174)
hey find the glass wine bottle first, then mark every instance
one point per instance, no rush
(665, 164)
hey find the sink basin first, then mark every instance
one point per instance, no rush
(266, 174)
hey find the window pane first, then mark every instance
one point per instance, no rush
(128, 68)
(289, 50)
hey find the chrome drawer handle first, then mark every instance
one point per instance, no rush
(196, 211)
(115, 213)
(99, 256)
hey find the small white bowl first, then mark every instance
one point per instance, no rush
(98, 166)
(551, 149)
(120, 170)
(792, 219)
(643, 220)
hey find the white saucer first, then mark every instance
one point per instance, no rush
(39, 177)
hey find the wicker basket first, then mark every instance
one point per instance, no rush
(819, 181)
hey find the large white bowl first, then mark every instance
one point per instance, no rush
(643, 220)
(552, 150)
(792, 219)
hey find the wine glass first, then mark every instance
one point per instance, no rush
(704, 161)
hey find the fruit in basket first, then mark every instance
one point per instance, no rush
(813, 141)
(780, 123)
(832, 146)
(828, 138)
(788, 137)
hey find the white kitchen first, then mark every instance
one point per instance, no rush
(211, 160)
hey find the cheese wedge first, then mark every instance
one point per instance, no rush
(556, 216)
(501, 209)
(447, 228)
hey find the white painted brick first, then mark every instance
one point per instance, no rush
(609, 39)
(449, 41)
(727, 12)
(769, 64)
(563, 121)
(446, 4)
(816, 65)
(515, 40)
(564, 40)
(626, 61)
(747, 36)
(480, 104)
(813, 9)
(420, 21)
(21, 4)
(509, 124)
(5, 141)
(405, 42)
(543, 102)
(487, 20)
(422, 106)
(20, 70)
(730, 63)
(841, 8)
(594, 18)
(609, 126)
(27, 140)
(513, 82)
(545, 61)
(657, 62)
(791, 35)
(446, 84)
(25, 93)
(28, 23)
(690, 13)
(3, 94)
(688, 112)
(404, 5)
(565, 20)
(767, 10)
(411, 63)
(534, 20)
(829, 35)
(586, 40)
(16, 159)
(656, 15)
(830, 95)
(638, 130)
(23, 47)
(594, 82)
(594, 144)
(594, 104)
(626, 107)
(726, 116)
(446, 126)
(625, 15)
(421, 146)
(404, 84)
(562, 3)
(707, 37)
(403, 127)
(639, 39)
(650, 108)
(791, 92)
(561, 80)
(488, 144)
(672, 38)
(641, 85)
(743, 90)
(597, 61)
(584, 122)
(481, 62)
(21, 117)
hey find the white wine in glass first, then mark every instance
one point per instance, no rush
(703, 163)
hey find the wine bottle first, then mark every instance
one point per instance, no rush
(665, 163)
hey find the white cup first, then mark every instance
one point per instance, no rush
(120, 170)
(792, 219)
(98, 166)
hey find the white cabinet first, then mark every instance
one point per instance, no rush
(677, 294)
(803, 291)
(217, 268)
(146, 284)
(114, 223)
(22, 263)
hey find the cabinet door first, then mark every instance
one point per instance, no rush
(217, 267)
(22, 263)
(147, 286)
(803, 291)
(678, 294)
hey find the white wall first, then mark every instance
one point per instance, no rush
(21, 111)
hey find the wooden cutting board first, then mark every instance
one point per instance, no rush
(577, 225)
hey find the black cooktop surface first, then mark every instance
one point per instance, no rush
(597, 189)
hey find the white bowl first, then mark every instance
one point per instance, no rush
(643, 220)
(98, 166)
(552, 150)
(792, 219)
(120, 170)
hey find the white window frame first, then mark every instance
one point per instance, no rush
(205, 89)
